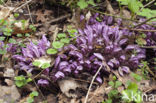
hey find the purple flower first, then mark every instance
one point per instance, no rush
(43, 82)
(30, 53)
(98, 42)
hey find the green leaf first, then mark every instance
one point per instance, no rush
(117, 84)
(16, 15)
(72, 31)
(109, 101)
(113, 93)
(30, 100)
(134, 5)
(20, 81)
(33, 94)
(91, 2)
(45, 65)
(136, 77)
(2, 38)
(19, 35)
(19, 84)
(132, 86)
(51, 51)
(148, 13)
(65, 40)
(82, 4)
(57, 44)
(11, 40)
(27, 35)
(36, 63)
(132, 96)
(29, 80)
(61, 35)
(111, 83)
(7, 34)
(3, 51)
(32, 27)
(123, 2)
(114, 78)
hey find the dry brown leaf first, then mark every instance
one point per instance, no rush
(40, 16)
(67, 85)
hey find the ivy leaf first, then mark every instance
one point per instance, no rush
(19, 35)
(136, 77)
(29, 80)
(36, 63)
(20, 81)
(117, 84)
(109, 101)
(45, 65)
(65, 40)
(132, 86)
(134, 5)
(7, 34)
(61, 35)
(111, 83)
(57, 44)
(123, 2)
(13, 41)
(82, 4)
(51, 51)
(30, 100)
(33, 94)
(148, 13)
(16, 15)
(3, 51)
(2, 38)
(91, 2)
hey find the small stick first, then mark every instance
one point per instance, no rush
(148, 47)
(116, 16)
(55, 20)
(150, 89)
(139, 29)
(39, 90)
(147, 4)
(30, 14)
(22, 5)
(144, 22)
(92, 83)
(59, 18)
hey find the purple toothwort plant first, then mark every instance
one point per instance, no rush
(98, 42)
(30, 53)
(7, 48)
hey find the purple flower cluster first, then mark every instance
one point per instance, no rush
(150, 36)
(98, 42)
(7, 47)
(31, 52)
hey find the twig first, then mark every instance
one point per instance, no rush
(151, 72)
(22, 5)
(148, 47)
(92, 83)
(39, 90)
(150, 89)
(149, 3)
(59, 18)
(30, 14)
(144, 22)
(138, 29)
(55, 20)
(84, 81)
(117, 16)
(111, 15)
